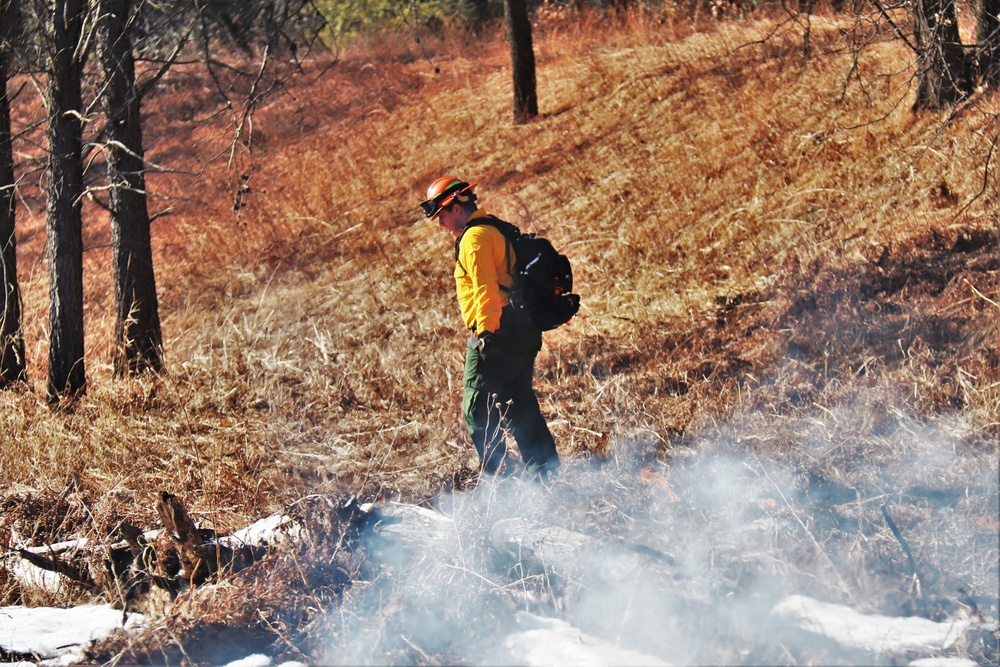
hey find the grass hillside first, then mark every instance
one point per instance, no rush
(776, 258)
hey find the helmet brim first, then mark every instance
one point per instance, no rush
(432, 207)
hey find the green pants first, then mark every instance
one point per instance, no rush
(497, 392)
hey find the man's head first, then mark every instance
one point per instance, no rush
(451, 201)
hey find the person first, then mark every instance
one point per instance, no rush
(500, 355)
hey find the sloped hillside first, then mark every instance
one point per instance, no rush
(780, 266)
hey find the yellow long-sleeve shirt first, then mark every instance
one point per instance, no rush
(481, 269)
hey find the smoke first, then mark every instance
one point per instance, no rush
(682, 561)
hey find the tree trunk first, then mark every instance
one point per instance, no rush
(620, 5)
(479, 15)
(138, 340)
(988, 41)
(522, 57)
(11, 337)
(942, 71)
(64, 190)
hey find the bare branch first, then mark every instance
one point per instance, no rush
(899, 33)
(170, 61)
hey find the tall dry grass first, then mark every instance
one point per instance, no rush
(706, 178)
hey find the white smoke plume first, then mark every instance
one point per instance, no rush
(683, 561)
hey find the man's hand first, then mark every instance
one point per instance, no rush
(486, 344)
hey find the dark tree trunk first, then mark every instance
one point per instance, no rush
(138, 340)
(988, 41)
(942, 70)
(11, 337)
(522, 57)
(64, 190)
(479, 14)
(620, 5)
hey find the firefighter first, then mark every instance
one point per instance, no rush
(500, 355)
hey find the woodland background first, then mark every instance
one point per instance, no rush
(785, 253)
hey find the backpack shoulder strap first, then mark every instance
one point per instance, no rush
(510, 233)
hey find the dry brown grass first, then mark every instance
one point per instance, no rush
(761, 240)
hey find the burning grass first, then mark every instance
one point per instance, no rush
(778, 262)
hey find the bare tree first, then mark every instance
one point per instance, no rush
(137, 336)
(265, 24)
(65, 56)
(12, 361)
(262, 30)
(522, 57)
(942, 77)
(987, 14)
(64, 31)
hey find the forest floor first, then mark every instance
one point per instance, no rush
(791, 318)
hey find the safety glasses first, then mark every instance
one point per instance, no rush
(431, 206)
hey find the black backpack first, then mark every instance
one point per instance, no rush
(543, 278)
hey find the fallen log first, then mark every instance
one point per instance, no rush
(68, 570)
(34, 578)
(172, 558)
(394, 530)
(182, 558)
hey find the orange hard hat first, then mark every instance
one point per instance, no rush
(443, 192)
